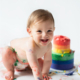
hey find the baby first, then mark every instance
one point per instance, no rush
(29, 51)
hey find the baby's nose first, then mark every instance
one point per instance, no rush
(44, 35)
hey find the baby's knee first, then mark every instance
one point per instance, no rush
(7, 51)
(8, 56)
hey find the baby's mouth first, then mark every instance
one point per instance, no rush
(44, 40)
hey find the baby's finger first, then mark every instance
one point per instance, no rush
(48, 78)
(45, 78)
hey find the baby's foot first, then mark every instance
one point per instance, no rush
(9, 75)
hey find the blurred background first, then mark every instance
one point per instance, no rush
(14, 15)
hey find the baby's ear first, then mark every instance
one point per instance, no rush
(29, 31)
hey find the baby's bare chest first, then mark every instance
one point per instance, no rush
(40, 53)
(23, 55)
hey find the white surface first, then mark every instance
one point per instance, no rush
(27, 75)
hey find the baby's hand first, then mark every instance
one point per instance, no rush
(46, 77)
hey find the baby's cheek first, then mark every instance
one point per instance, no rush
(51, 36)
(38, 36)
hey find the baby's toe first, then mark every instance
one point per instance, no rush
(8, 78)
(12, 78)
(9, 75)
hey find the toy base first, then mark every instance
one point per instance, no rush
(65, 72)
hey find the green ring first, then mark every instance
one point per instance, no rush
(66, 56)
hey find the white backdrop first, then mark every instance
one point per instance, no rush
(14, 15)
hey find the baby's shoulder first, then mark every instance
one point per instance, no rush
(29, 43)
(30, 46)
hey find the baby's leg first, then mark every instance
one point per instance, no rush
(9, 58)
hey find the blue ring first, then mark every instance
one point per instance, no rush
(62, 62)
(62, 66)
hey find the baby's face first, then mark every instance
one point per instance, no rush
(42, 32)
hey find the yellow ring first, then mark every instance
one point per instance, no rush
(61, 51)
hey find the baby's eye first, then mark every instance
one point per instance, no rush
(49, 31)
(39, 31)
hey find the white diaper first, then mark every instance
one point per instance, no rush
(17, 64)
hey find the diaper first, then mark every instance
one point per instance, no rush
(19, 64)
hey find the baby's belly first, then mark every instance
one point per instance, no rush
(22, 60)
(21, 57)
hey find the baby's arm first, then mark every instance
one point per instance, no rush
(33, 62)
(47, 61)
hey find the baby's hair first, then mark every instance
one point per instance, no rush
(39, 15)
